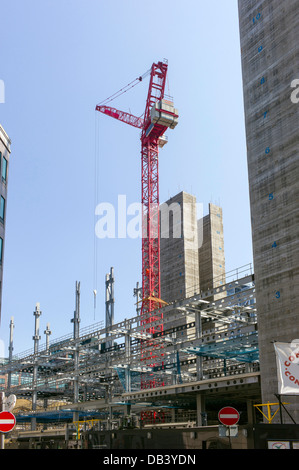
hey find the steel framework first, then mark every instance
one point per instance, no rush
(203, 341)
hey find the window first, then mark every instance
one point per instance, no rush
(1, 249)
(2, 209)
(4, 169)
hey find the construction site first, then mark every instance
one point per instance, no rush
(195, 366)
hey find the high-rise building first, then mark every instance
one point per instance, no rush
(4, 162)
(269, 34)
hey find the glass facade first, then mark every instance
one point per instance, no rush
(2, 209)
(4, 169)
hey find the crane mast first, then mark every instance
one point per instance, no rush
(159, 115)
(151, 132)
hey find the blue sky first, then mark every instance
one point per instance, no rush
(58, 60)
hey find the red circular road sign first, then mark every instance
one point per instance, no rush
(7, 421)
(228, 416)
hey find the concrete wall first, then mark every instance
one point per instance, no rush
(211, 252)
(179, 248)
(192, 438)
(269, 32)
(192, 251)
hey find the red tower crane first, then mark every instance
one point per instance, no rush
(159, 115)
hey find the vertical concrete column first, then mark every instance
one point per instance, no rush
(179, 247)
(211, 250)
(250, 412)
(200, 409)
(75, 416)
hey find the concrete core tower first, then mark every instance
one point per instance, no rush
(269, 33)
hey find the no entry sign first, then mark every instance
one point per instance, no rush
(7, 421)
(228, 416)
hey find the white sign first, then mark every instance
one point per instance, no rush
(287, 360)
(279, 445)
(228, 431)
(9, 403)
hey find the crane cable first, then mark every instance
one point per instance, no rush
(124, 89)
(96, 194)
(96, 176)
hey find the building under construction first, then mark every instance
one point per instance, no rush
(210, 356)
(89, 389)
(203, 338)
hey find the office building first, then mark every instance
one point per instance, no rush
(4, 162)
